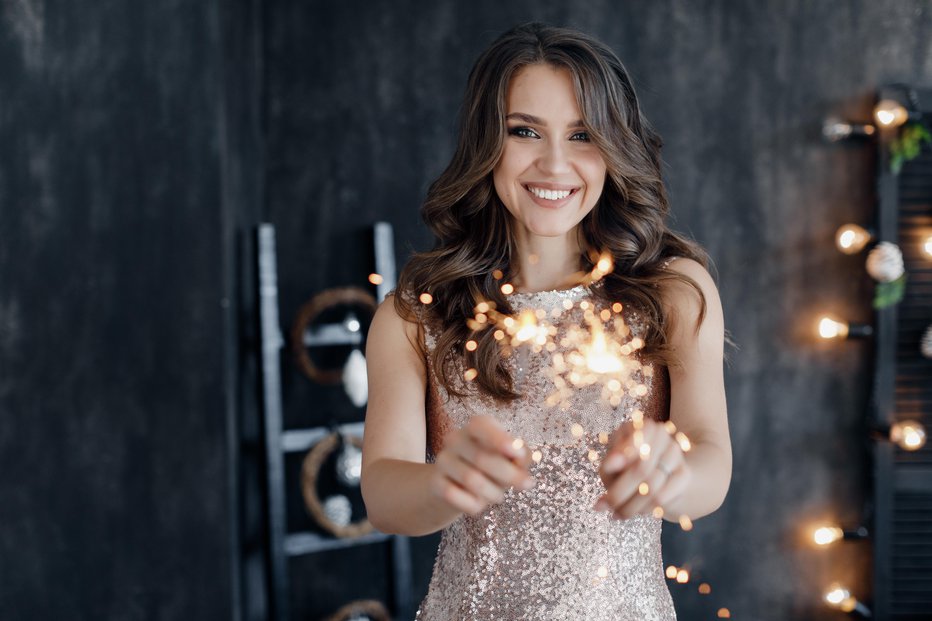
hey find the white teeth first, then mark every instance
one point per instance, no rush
(550, 195)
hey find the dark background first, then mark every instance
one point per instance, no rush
(141, 141)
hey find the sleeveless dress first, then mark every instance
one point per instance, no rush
(545, 553)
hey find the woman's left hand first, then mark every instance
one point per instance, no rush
(644, 468)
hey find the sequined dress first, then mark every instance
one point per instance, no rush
(545, 553)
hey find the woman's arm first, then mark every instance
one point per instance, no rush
(696, 482)
(404, 495)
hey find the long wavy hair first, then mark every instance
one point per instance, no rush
(474, 232)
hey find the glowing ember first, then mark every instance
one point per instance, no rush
(686, 523)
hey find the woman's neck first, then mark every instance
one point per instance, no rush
(547, 263)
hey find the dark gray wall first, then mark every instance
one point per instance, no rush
(115, 492)
(138, 140)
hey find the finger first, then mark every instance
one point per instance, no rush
(647, 497)
(454, 468)
(636, 445)
(625, 485)
(503, 471)
(489, 433)
(457, 497)
(677, 484)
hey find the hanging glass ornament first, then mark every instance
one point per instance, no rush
(349, 465)
(885, 262)
(925, 345)
(338, 510)
(355, 381)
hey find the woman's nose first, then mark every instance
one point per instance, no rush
(554, 159)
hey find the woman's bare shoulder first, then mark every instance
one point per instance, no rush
(391, 329)
(683, 298)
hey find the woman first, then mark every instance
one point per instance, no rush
(548, 511)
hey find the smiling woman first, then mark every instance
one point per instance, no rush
(550, 175)
(546, 511)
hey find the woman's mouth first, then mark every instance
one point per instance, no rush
(546, 197)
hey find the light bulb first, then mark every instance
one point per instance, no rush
(830, 328)
(890, 113)
(927, 246)
(826, 535)
(839, 597)
(851, 238)
(909, 435)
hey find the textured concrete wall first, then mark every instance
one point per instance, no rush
(361, 108)
(114, 489)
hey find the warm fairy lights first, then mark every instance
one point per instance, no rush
(724, 613)
(839, 597)
(830, 328)
(826, 535)
(909, 435)
(376, 279)
(704, 588)
(426, 298)
(851, 238)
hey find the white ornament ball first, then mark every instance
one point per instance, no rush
(355, 381)
(925, 345)
(885, 262)
(349, 465)
(338, 510)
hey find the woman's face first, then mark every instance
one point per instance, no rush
(550, 175)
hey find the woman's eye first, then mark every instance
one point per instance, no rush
(580, 136)
(523, 132)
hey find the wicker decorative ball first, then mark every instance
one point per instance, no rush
(925, 345)
(885, 262)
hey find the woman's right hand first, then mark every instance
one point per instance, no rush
(478, 464)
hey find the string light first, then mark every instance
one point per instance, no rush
(890, 113)
(851, 238)
(376, 279)
(909, 435)
(831, 328)
(927, 246)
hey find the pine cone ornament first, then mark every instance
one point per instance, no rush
(885, 262)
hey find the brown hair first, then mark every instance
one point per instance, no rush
(473, 230)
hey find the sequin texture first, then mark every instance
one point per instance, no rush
(545, 553)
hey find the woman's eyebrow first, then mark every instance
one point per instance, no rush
(529, 118)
